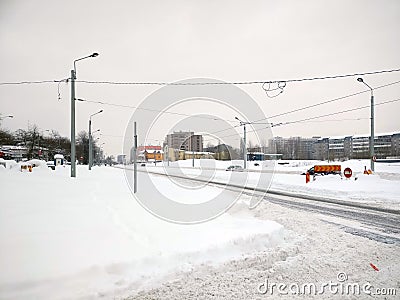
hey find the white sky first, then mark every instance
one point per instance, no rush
(174, 40)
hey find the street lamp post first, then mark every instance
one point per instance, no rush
(90, 139)
(73, 142)
(372, 138)
(242, 123)
(191, 145)
(166, 154)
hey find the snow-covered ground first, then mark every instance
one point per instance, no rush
(87, 238)
(66, 238)
(380, 189)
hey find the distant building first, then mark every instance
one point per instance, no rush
(149, 147)
(121, 159)
(142, 151)
(184, 140)
(293, 147)
(335, 148)
(153, 155)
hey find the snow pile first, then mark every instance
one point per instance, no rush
(8, 164)
(86, 237)
(38, 165)
(381, 189)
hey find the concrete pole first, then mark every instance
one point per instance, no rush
(73, 149)
(372, 141)
(134, 158)
(191, 144)
(166, 154)
(328, 150)
(90, 144)
(372, 137)
(244, 147)
(218, 149)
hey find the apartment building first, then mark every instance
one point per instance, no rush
(184, 140)
(335, 148)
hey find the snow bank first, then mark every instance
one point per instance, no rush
(86, 237)
(9, 164)
(381, 189)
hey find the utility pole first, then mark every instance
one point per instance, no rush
(73, 145)
(244, 147)
(90, 144)
(328, 149)
(166, 154)
(218, 150)
(372, 137)
(372, 142)
(73, 154)
(91, 139)
(134, 158)
(191, 144)
(242, 123)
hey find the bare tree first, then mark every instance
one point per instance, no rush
(82, 147)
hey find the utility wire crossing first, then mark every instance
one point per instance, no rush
(281, 83)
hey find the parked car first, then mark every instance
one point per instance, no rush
(235, 168)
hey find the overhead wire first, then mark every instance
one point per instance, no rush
(319, 104)
(256, 122)
(280, 86)
(312, 118)
(280, 83)
(341, 112)
(153, 110)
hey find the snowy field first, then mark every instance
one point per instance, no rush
(380, 189)
(87, 238)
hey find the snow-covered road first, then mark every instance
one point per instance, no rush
(379, 190)
(324, 244)
(87, 238)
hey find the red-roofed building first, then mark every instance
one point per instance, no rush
(143, 148)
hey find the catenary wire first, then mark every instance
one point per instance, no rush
(279, 82)
(313, 118)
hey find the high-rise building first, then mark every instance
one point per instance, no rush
(184, 140)
(335, 148)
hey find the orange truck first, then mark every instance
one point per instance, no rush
(325, 169)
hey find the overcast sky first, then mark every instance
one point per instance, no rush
(167, 41)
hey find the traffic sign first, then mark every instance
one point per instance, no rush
(348, 172)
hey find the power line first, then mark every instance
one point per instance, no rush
(31, 82)
(335, 120)
(253, 122)
(313, 118)
(281, 83)
(329, 101)
(111, 135)
(341, 112)
(257, 122)
(317, 104)
(154, 110)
